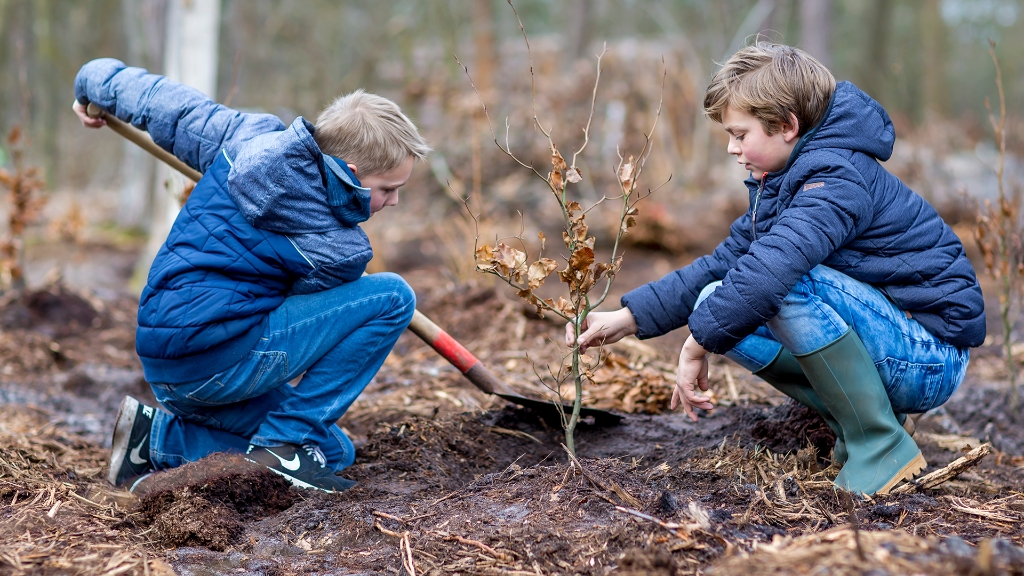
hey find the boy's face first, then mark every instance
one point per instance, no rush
(384, 187)
(753, 147)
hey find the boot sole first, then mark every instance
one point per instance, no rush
(122, 436)
(906, 473)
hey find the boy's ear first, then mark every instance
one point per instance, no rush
(353, 168)
(791, 130)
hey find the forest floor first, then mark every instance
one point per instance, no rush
(451, 481)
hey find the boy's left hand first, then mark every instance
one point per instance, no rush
(693, 368)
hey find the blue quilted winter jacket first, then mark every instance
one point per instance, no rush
(272, 216)
(832, 204)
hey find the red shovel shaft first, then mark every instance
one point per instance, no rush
(456, 353)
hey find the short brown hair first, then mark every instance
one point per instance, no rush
(771, 81)
(370, 132)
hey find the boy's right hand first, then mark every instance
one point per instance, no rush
(87, 121)
(601, 328)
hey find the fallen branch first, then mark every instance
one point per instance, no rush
(480, 545)
(673, 527)
(954, 469)
(405, 549)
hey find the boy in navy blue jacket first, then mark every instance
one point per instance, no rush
(259, 280)
(840, 286)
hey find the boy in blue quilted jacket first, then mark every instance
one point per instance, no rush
(840, 286)
(260, 279)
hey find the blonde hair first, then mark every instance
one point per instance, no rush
(771, 81)
(370, 132)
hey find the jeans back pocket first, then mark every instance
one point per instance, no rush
(912, 387)
(253, 376)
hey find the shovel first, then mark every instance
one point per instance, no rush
(442, 342)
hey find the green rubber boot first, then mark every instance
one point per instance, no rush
(786, 376)
(881, 453)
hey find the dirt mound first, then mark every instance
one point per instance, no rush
(792, 427)
(207, 503)
(447, 453)
(55, 310)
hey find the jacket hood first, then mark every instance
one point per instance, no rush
(853, 121)
(283, 183)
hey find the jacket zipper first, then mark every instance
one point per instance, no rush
(757, 199)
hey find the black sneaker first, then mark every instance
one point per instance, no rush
(304, 466)
(129, 458)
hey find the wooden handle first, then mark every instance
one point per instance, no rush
(144, 141)
(456, 353)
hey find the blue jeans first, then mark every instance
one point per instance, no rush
(338, 337)
(920, 372)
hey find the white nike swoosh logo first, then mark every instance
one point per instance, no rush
(135, 457)
(292, 464)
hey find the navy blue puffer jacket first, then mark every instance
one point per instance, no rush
(272, 216)
(832, 204)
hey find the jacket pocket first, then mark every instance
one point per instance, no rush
(911, 386)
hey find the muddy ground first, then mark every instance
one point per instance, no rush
(454, 482)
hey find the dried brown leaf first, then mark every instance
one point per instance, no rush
(626, 174)
(539, 272)
(565, 307)
(555, 177)
(573, 175)
(582, 258)
(510, 262)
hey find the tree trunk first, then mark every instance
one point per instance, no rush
(144, 27)
(875, 69)
(933, 50)
(579, 27)
(816, 29)
(190, 57)
(483, 44)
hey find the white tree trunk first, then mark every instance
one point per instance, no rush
(190, 57)
(144, 27)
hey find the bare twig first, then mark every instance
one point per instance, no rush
(954, 469)
(533, 80)
(593, 104)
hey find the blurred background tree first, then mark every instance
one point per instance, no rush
(924, 60)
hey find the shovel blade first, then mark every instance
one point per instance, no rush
(549, 410)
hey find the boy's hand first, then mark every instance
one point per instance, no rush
(693, 367)
(87, 121)
(602, 328)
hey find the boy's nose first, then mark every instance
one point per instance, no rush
(732, 147)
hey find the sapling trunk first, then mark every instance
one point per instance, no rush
(581, 273)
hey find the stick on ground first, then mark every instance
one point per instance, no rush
(954, 469)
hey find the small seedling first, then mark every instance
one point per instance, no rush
(580, 271)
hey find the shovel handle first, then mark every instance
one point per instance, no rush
(144, 141)
(450, 349)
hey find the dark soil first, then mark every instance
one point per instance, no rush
(452, 481)
(208, 503)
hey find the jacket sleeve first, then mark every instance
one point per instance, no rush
(819, 221)
(664, 305)
(181, 119)
(323, 251)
